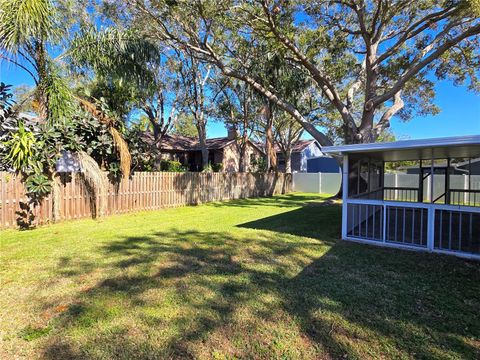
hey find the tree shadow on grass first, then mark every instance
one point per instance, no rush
(198, 271)
(168, 294)
(397, 303)
(316, 220)
(279, 201)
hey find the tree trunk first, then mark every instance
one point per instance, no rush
(41, 93)
(288, 161)
(242, 159)
(269, 145)
(56, 196)
(202, 138)
(157, 136)
(157, 163)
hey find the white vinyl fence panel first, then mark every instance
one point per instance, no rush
(322, 183)
(411, 181)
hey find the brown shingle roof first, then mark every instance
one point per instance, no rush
(299, 146)
(185, 143)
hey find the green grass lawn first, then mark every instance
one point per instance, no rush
(259, 278)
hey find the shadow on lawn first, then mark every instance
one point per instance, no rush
(282, 201)
(350, 301)
(316, 220)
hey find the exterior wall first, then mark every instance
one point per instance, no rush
(299, 159)
(424, 226)
(218, 156)
(231, 157)
(312, 150)
(296, 162)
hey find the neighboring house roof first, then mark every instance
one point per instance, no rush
(301, 145)
(298, 146)
(186, 143)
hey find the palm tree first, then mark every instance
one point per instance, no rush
(28, 28)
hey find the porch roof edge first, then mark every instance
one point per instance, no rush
(405, 145)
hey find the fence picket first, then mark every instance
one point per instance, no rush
(143, 191)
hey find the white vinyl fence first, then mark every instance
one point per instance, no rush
(322, 183)
(327, 183)
(459, 182)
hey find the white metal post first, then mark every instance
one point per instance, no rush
(344, 196)
(396, 185)
(466, 187)
(431, 210)
(431, 227)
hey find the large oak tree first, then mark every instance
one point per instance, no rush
(370, 60)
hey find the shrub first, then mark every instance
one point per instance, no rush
(218, 167)
(171, 166)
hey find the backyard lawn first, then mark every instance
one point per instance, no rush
(259, 278)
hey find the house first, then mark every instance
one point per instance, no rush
(302, 150)
(221, 150)
(471, 166)
(414, 217)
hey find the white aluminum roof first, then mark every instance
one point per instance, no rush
(437, 148)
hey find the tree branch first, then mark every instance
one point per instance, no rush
(384, 122)
(421, 64)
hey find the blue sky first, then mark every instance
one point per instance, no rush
(460, 111)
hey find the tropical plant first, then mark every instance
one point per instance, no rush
(21, 148)
(38, 184)
(27, 29)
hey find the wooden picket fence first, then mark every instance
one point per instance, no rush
(143, 191)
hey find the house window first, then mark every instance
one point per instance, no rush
(211, 157)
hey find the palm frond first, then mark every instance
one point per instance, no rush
(120, 143)
(60, 97)
(95, 181)
(24, 20)
(122, 148)
(114, 53)
(94, 111)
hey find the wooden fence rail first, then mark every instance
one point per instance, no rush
(143, 191)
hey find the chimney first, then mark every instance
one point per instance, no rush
(232, 133)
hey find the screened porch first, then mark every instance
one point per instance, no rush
(422, 194)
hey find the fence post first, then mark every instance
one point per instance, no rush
(319, 182)
(345, 197)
